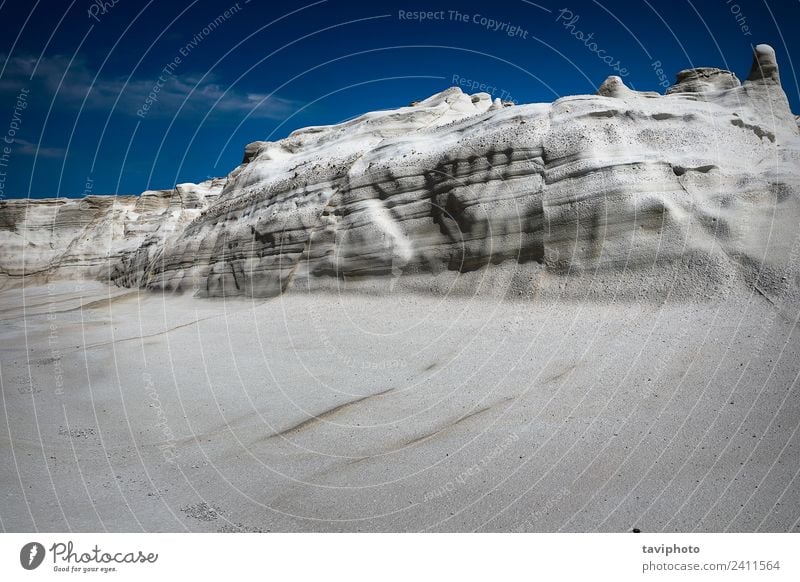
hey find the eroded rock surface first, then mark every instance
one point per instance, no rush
(700, 185)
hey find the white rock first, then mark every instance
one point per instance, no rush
(693, 190)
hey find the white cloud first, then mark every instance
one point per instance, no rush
(106, 92)
(26, 148)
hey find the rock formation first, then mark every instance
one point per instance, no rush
(96, 237)
(702, 184)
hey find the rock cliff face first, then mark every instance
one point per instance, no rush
(639, 192)
(97, 237)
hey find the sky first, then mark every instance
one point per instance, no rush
(121, 96)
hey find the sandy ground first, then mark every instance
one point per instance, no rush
(128, 411)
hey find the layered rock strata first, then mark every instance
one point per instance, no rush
(702, 183)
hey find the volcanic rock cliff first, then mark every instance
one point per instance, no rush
(620, 193)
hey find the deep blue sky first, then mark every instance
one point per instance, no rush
(271, 67)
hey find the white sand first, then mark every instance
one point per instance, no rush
(401, 413)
